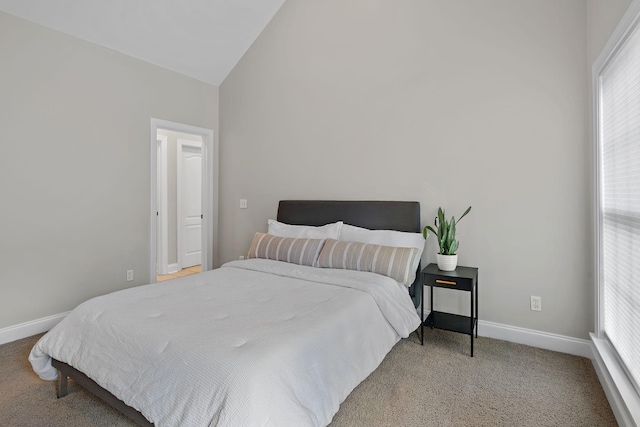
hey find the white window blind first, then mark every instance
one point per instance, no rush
(619, 128)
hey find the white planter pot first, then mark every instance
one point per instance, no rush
(447, 262)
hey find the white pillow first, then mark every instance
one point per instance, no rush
(400, 239)
(329, 231)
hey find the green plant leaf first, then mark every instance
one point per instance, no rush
(442, 244)
(429, 228)
(450, 236)
(465, 212)
(442, 229)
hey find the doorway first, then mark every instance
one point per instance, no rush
(184, 199)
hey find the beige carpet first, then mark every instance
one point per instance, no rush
(505, 384)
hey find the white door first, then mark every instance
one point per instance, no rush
(189, 203)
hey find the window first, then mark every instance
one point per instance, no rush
(617, 95)
(620, 202)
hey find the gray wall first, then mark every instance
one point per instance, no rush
(448, 103)
(74, 169)
(602, 18)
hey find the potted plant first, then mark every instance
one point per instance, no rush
(445, 231)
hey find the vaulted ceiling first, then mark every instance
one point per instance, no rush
(203, 39)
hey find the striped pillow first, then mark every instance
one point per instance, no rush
(395, 262)
(288, 249)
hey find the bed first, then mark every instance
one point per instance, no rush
(265, 342)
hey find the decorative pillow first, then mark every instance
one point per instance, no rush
(287, 249)
(395, 262)
(329, 231)
(402, 239)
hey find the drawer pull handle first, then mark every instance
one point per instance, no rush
(445, 282)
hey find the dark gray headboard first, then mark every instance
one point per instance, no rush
(374, 215)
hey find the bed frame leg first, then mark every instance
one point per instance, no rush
(62, 385)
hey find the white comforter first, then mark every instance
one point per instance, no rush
(254, 343)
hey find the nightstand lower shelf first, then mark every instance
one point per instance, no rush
(450, 322)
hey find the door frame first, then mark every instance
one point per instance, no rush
(181, 143)
(209, 191)
(162, 228)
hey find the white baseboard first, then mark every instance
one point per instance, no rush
(173, 268)
(548, 341)
(27, 329)
(533, 338)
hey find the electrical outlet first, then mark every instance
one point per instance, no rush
(241, 257)
(129, 275)
(536, 303)
(243, 203)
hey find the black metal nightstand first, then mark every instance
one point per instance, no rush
(461, 279)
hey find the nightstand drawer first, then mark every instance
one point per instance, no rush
(462, 278)
(460, 283)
